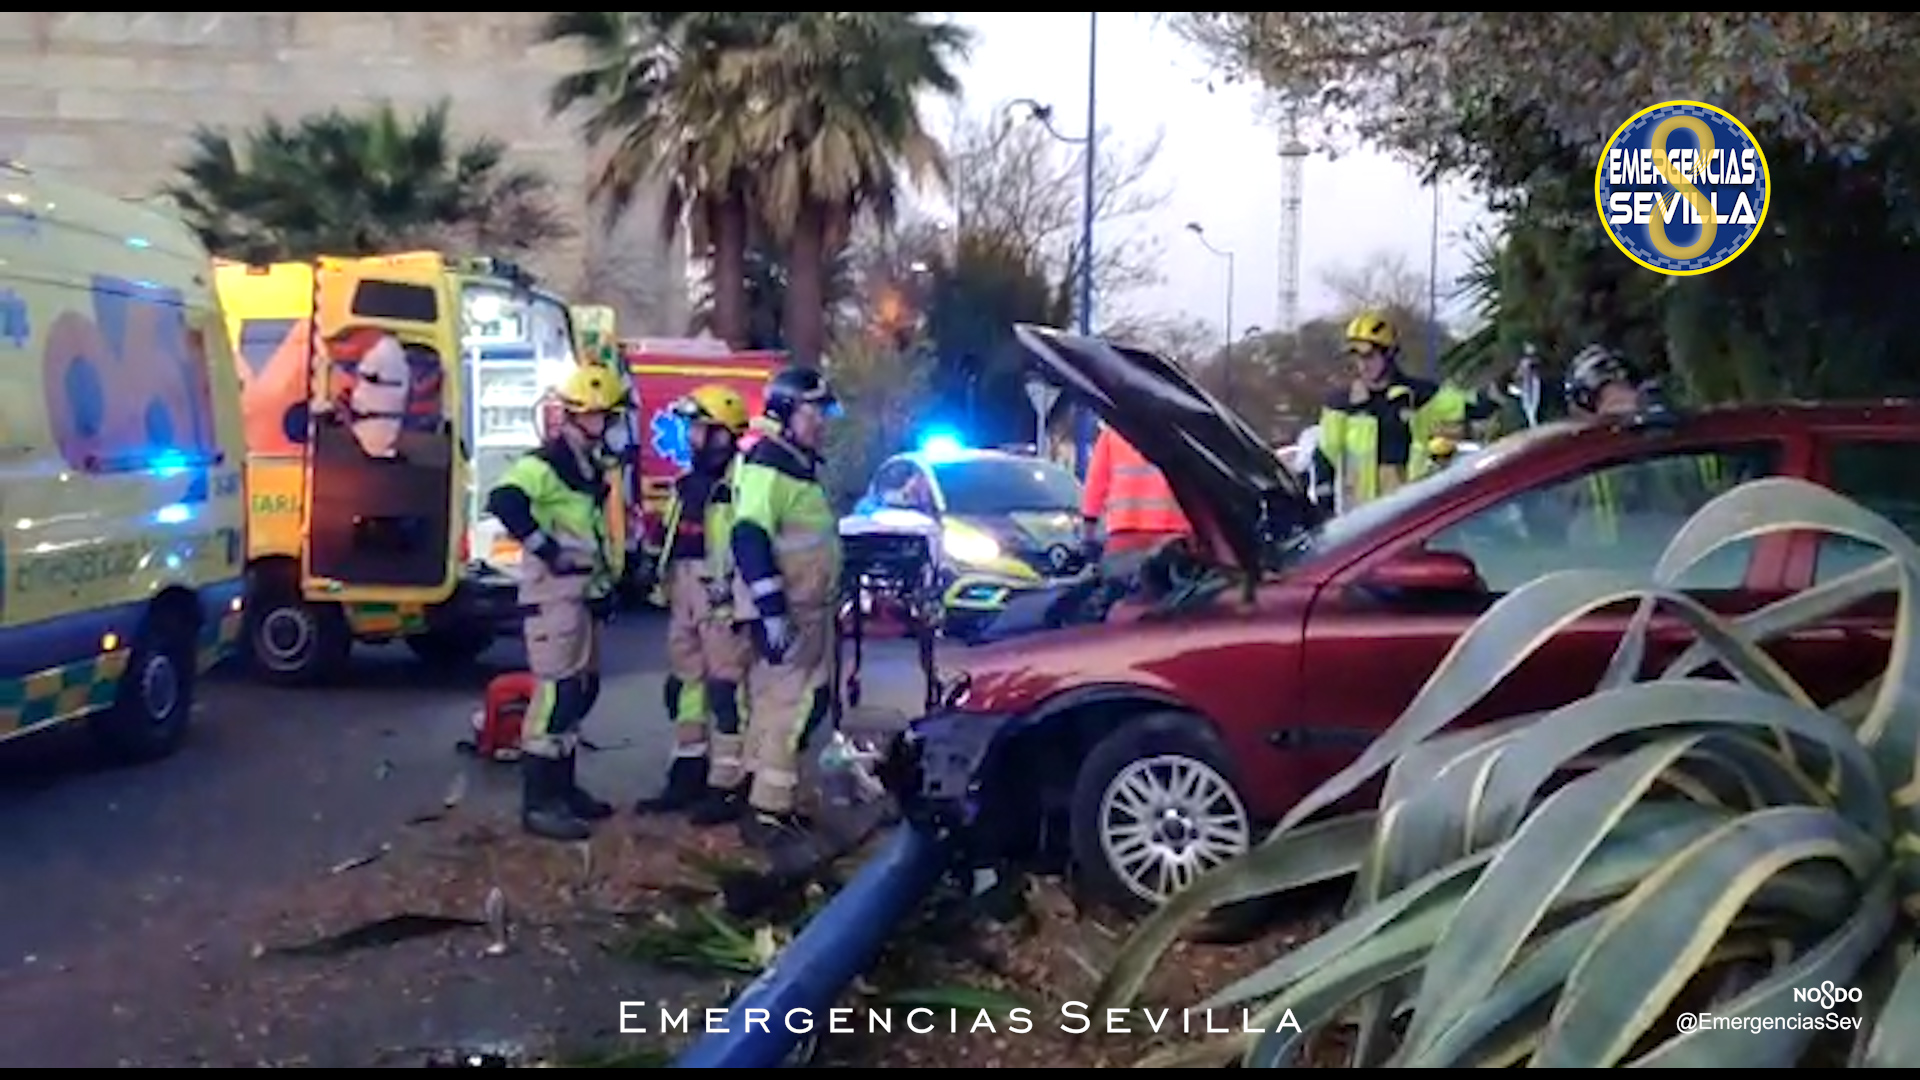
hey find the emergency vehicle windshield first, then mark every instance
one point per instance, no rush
(993, 487)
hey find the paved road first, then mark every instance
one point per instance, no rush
(274, 787)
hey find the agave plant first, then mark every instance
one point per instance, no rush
(1553, 890)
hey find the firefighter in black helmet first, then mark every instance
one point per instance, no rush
(786, 551)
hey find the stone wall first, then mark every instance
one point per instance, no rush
(109, 99)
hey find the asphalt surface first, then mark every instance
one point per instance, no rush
(274, 787)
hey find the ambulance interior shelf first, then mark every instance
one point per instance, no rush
(517, 346)
(381, 446)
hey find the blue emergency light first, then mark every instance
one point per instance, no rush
(941, 446)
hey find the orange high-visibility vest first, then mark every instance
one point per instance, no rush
(1127, 493)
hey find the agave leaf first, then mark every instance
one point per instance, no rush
(1745, 660)
(1649, 836)
(1778, 504)
(1642, 708)
(1510, 631)
(1326, 991)
(1838, 959)
(1813, 605)
(1428, 824)
(1538, 974)
(1657, 936)
(1743, 513)
(1894, 1042)
(1491, 1030)
(1314, 853)
(1516, 891)
(1439, 892)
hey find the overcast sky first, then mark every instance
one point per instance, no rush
(1219, 160)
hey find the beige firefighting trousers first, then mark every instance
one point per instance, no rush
(563, 654)
(790, 698)
(707, 660)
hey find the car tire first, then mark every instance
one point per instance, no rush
(1135, 839)
(294, 642)
(153, 703)
(449, 648)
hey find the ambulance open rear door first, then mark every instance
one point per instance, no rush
(384, 491)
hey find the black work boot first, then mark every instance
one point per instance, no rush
(720, 806)
(543, 802)
(686, 787)
(584, 806)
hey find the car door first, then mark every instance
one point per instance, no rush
(1369, 651)
(1837, 657)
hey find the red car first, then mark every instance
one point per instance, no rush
(1140, 751)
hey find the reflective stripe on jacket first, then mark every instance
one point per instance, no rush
(1127, 493)
(1377, 441)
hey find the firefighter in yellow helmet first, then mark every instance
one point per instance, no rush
(1382, 430)
(553, 501)
(707, 655)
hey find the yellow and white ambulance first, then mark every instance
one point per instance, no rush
(122, 551)
(382, 398)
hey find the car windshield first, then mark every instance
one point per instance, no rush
(1363, 519)
(988, 487)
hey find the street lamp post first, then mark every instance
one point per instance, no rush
(1227, 358)
(1083, 426)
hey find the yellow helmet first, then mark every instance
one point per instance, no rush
(592, 388)
(1371, 328)
(715, 404)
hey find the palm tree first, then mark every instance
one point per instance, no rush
(659, 85)
(836, 121)
(360, 184)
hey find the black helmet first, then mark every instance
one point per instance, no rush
(1594, 368)
(793, 387)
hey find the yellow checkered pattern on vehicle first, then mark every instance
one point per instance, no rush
(219, 639)
(62, 693)
(386, 620)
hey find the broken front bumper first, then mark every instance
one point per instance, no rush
(945, 773)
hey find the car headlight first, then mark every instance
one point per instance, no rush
(968, 546)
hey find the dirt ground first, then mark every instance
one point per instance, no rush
(390, 961)
(397, 960)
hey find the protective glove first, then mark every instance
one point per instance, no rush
(775, 638)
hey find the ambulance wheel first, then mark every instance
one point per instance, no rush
(449, 648)
(154, 701)
(293, 642)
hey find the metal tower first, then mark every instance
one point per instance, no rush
(1293, 159)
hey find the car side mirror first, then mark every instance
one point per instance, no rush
(1423, 571)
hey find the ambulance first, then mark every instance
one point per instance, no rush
(122, 552)
(662, 370)
(383, 398)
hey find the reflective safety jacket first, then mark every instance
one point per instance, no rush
(1373, 441)
(698, 524)
(1673, 488)
(785, 537)
(549, 503)
(1127, 493)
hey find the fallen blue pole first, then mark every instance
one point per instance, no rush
(836, 946)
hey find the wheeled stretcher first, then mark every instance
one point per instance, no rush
(889, 571)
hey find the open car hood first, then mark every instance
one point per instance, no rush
(1231, 486)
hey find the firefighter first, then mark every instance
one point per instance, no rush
(1602, 383)
(786, 547)
(553, 501)
(1379, 432)
(707, 655)
(1130, 497)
